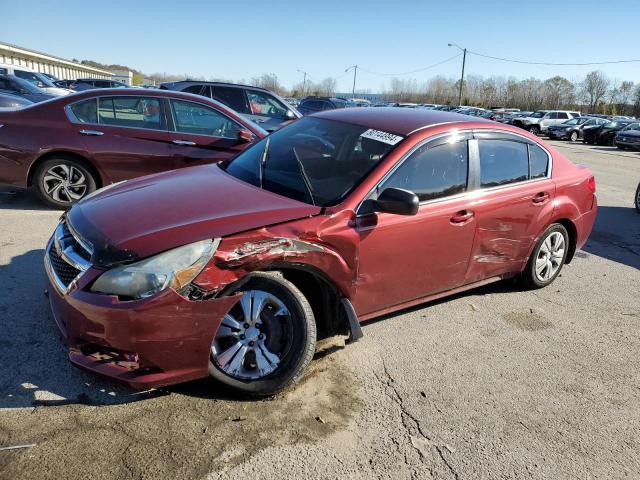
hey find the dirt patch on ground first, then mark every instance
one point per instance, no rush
(530, 321)
(183, 433)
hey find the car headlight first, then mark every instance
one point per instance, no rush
(173, 268)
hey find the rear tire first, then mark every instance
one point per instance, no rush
(62, 181)
(547, 258)
(263, 353)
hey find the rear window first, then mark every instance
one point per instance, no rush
(135, 112)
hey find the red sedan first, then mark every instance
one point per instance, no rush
(235, 270)
(68, 147)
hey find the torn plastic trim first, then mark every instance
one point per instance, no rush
(275, 246)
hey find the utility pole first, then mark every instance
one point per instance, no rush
(355, 73)
(304, 80)
(464, 59)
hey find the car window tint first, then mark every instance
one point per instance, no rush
(538, 161)
(433, 172)
(197, 89)
(29, 76)
(502, 162)
(138, 112)
(262, 103)
(6, 85)
(190, 117)
(232, 97)
(102, 84)
(86, 112)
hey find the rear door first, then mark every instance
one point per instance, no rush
(514, 203)
(201, 134)
(127, 137)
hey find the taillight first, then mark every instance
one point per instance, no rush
(591, 183)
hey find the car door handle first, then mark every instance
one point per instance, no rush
(187, 143)
(92, 133)
(463, 216)
(541, 197)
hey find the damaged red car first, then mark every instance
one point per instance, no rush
(234, 270)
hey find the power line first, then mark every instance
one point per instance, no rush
(511, 60)
(412, 71)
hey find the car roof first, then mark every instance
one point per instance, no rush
(226, 84)
(400, 121)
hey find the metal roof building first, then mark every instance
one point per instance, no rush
(45, 63)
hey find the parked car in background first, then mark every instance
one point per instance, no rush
(35, 78)
(338, 218)
(311, 105)
(256, 104)
(628, 137)
(68, 147)
(82, 84)
(573, 129)
(12, 85)
(66, 84)
(53, 78)
(13, 101)
(604, 134)
(539, 121)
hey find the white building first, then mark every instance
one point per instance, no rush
(45, 63)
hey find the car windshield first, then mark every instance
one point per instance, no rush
(28, 86)
(538, 114)
(616, 124)
(632, 126)
(575, 121)
(314, 160)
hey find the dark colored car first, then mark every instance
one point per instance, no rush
(628, 137)
(64, 83)
(312, 105)
(256, 104)
(11, 101)
(235, 270)
(82, 84)
(68, 147)
(12, 85)
(604, 134)
(573, 129)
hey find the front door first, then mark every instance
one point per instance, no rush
(404, 258)
(202, 134)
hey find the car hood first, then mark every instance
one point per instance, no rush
(151, 214)
(57, 91)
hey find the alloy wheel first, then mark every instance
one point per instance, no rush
(550, 256)
(65, 183)
(253, 337)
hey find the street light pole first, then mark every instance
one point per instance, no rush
(355, 73)
(464, 59)
(304, 80)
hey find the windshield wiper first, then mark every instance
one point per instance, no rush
(305, 178)
(263, 160)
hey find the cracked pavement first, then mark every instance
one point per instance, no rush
(493, 383)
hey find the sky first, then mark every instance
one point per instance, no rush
(242, 39)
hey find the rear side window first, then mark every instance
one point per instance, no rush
(102, 84)
(502, 162)
(433, 172)
(86, 112)
(539, 162)
(231, 97)
(190, 117)
(262, 103)
(136, 112)
(563, 115)
(197, 89)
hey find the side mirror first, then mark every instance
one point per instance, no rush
(393, 200)
(245, 136)
(290, 115)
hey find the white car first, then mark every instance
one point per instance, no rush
(539, 121)
(38, 79)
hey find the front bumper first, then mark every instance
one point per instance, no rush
(148, 343)
(627, 143)
(558, 134)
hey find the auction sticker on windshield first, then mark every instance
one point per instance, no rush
(384, 137)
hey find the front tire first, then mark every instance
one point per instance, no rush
(547, 258)
(535, 130)
(267, 340)
(574, 136)
(62, 181)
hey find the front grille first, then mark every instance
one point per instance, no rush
(67, 258)
(65, 272)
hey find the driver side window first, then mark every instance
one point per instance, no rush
(190, 117)
(433, 171)
(264, 104)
